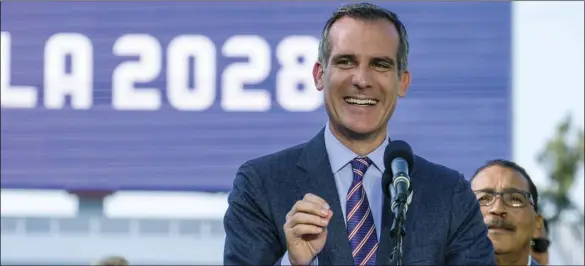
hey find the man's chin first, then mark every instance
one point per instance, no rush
(502, 251)
(360, 131)
(502, 247)
(361, 126)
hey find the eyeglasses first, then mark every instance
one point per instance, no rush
(540, 245)
(512, 198)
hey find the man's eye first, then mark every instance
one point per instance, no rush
(382, 66)
(518, 199)
(485, 198)
(344, 63)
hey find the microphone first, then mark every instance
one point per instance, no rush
(399, 163)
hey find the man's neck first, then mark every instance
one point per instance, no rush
(512, 259)
(362, 146)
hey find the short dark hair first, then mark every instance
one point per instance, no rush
(365, 11)
(512, 165)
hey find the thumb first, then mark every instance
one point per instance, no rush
(323, 233)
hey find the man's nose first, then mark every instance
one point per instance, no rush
(362, 77)
(498, 208)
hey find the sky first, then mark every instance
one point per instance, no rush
(547, 50)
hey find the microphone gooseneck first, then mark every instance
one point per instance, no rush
(399, 163)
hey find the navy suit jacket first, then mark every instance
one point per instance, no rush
(444, 225)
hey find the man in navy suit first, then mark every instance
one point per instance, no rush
(321, 202)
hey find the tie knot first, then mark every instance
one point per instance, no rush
(361, 164)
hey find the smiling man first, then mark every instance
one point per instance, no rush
(509, 204)
(321, 202)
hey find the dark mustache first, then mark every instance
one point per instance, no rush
(500, 224)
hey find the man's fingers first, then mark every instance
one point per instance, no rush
(309, 207)
(310, 219)
(306, 229)
(311, 210)
(316, 199)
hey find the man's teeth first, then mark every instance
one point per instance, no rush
(360, 101)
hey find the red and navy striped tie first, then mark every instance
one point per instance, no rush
(360, 222)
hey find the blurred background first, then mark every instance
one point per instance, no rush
(123, 123)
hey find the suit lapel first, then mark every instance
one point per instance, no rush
(385, 243)
(318, 179)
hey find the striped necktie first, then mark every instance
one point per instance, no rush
(360, 222)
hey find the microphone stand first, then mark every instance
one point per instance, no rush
(398, 231)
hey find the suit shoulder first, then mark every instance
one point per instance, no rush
(437, 171)
(283, 158)
(255, 173)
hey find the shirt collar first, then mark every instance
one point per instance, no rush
(339, 155)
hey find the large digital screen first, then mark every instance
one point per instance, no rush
(176, 96)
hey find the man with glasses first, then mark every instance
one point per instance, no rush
(540, 243)
(509, 203)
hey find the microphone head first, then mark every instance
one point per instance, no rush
(395, 149)
(398, 149)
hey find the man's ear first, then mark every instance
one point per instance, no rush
(539, 224)
(404, 83)
(318, 75)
